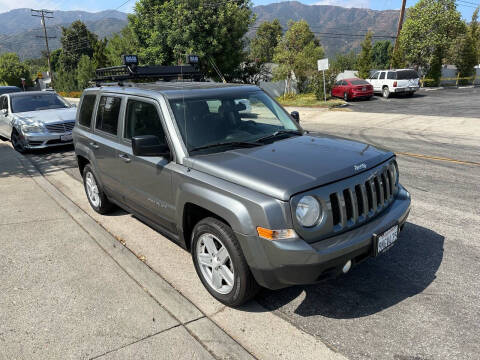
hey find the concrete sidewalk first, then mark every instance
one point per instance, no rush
(70, 290)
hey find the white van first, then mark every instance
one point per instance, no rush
(386, 82)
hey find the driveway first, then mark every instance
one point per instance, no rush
(419, 300)
(464, 102)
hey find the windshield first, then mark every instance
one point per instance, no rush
(407, 75)
(228, 119)
(37, 102)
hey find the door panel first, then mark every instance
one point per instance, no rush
(146, 181)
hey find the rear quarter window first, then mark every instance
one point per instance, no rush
(107, 114)
(86, 111)
(407, 74)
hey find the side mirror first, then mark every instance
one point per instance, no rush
(149, 145)
(296, 116)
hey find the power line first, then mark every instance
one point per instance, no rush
(45, 14)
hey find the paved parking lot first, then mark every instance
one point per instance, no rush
(463, 102)
(420, 300)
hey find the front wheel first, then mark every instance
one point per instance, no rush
(220, 263)
(18, 142)
(96, 197)
(345, 96)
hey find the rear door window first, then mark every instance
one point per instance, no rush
(392, 75)
(107, 114)
(142, 119)
(86, 111)
(382, 75)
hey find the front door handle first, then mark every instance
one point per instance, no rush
(94, 145)
(125, 158)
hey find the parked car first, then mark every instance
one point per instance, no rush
(224, 171)
(9, 89)
(354, 88)
(36, 120)
(402, 81)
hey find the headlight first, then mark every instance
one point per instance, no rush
(28, 129)
(308, 211)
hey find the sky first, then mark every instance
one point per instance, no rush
(466, 7)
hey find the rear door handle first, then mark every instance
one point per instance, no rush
(125, 158)
(94, 145)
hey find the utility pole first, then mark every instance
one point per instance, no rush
(400, 23)
(45, 14)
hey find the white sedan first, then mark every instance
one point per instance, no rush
(36, 120)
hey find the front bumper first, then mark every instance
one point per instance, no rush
(277, 264)
(46, 140)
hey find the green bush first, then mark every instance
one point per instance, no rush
(316, 83)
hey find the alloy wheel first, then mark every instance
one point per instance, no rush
(215, 263)
(92, 189)
(17, 142)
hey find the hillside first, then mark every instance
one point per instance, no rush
(333, 20)
(19, 29)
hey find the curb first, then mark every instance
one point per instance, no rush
(248, 332)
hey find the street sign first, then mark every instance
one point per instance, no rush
(323, 64)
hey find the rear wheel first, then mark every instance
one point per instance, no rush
(220, 263)
(386, 92)
(18, 142)
(96, 197)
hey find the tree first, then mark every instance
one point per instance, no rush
(475, 34)
(263, 45)
(463, 55)
(12, 70)
(120, 44)
(100, 53)
(76, 41)
(167, 30)
(382, 54)
(429, 30)
(85, 71)
(364, 64)
(342, 62)
(297, 54)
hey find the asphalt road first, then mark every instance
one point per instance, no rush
(464, 102)
(420, 300)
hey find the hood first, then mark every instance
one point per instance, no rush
(293, 165)
(48, 116)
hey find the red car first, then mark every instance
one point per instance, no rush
(352, 89)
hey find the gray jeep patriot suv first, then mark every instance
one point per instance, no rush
(226, 173)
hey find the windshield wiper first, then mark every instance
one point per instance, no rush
(231, 143)
(280, 132)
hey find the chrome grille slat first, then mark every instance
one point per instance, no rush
(366, 209)
(374, 195)
(60, 127)
(387, 185)
(353, 199)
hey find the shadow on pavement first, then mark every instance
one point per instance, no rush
(375, 285)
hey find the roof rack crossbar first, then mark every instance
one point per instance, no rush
(124, 72)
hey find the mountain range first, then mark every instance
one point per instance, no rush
(339, 29)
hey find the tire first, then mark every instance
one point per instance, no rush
(234, 284)
(17, 142)
(386, 92)
(345, 96)
(95, 195)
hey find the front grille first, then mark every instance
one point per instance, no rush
(361, 201)
(61, 127)
(35, 143)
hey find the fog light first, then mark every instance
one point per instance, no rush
(347, 266)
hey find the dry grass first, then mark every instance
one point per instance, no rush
(308, 100)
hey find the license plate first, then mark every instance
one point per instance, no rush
(66, 137)
(386, 240)
(364, 89)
